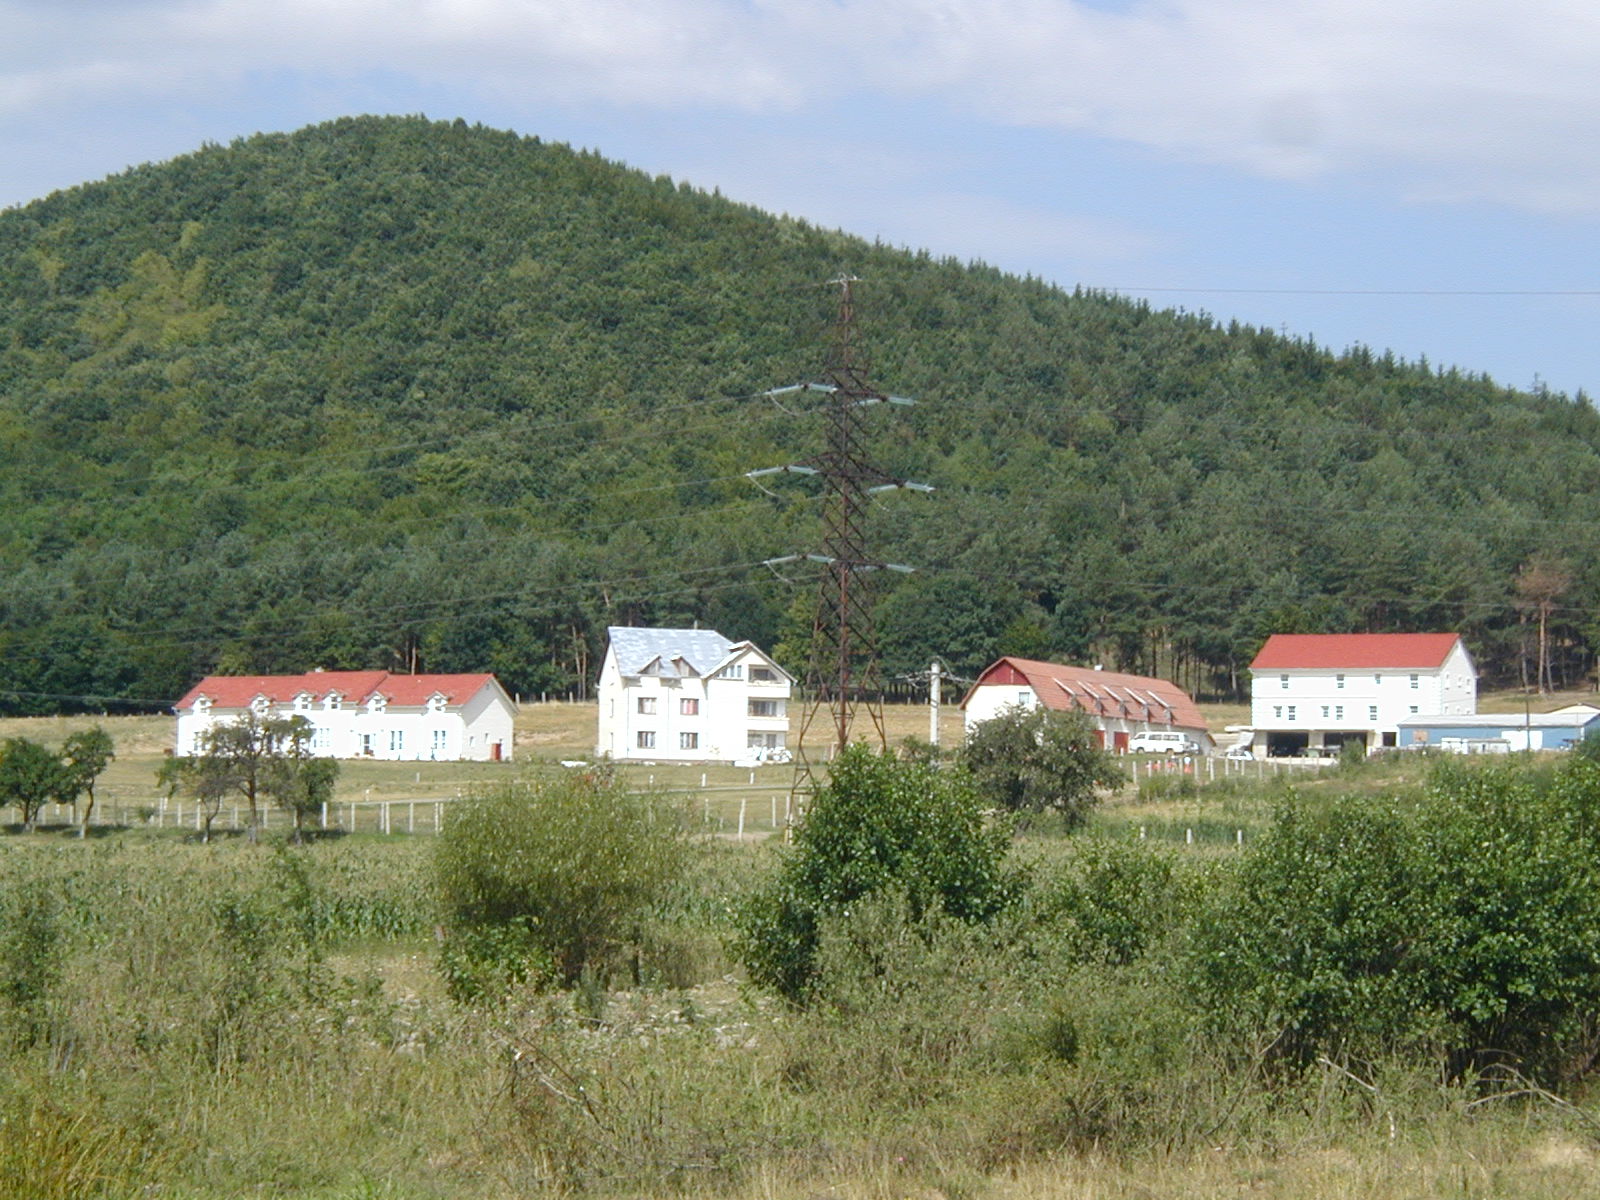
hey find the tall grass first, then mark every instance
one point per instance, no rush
(217, 1021)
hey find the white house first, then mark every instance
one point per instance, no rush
(1120, 705)
(689, 695)
(363, 714)
(1317, 691)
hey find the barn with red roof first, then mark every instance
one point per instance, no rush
(1121, 706)
(363, 714)
(1314, 693)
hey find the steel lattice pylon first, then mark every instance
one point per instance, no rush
(842, 672)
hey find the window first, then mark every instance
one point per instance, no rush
(1413, 710)
(763, 708)
(688, 741)
(689, 706)
(334, 703)
(1377, 679)
(762, 675)
(1283, 682)
(1372, 712)
(1324, 712)
(1338, 712)
(302, 702)
(734, 672)
(439, 736)
(1338, 682)
(770, 741)
(1413, 681)
(397, 740)
(647, 705)
(319, 737)
(1290, 711)
(1277, 711)
(646, 739)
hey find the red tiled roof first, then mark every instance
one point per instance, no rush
(237, 691)
(1100, 693)
(1355, 651)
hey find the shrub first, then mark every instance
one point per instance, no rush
(539, 879)
(878, 824)
(1466, 928)
(1030, 760)
(1110, 903)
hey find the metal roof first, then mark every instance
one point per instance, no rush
(679, 653)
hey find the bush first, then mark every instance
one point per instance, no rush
(541, 879)
(1030, 760)
(1466, 928)
(1110, 903)
(877, 825)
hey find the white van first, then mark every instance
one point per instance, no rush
(1162, 741)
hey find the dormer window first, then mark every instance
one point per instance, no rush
(302, 702)
(436, 703)
(202, 704)
(260, 705)
(377, 703)
(334, 702)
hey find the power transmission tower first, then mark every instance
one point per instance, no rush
(842, 672)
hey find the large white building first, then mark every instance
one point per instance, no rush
(1317, 691)
(689, 695)
(1121, 706)
(363, 714)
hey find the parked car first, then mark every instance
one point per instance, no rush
(1162, 741)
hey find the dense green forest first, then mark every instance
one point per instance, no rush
(400, 393)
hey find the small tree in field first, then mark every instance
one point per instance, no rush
(30, 775)
(84, 755)
(206, 780)
(301, 785)
(1033, 759)
(248, 752)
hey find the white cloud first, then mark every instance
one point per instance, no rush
(1471, 99)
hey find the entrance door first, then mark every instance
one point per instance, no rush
(1119, 741)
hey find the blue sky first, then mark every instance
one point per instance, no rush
(1415, 175)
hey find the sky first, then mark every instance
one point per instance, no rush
(1421, 176)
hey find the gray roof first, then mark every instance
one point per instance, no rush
(1555, 720)
(636, 649)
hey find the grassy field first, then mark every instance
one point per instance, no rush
(228, 1020)
(560, 731)
(190, 1042)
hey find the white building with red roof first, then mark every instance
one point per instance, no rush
(363, 714)
(1121, 706)
(1317, 691)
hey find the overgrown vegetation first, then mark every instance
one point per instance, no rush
(895, 832)
(1378, 984)
(548, 880)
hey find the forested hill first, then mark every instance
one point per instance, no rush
(397, 393)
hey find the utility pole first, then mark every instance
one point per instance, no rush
(936, 676)
(842, 671)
